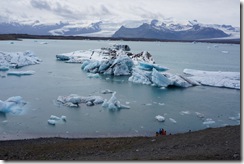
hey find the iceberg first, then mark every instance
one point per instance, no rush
(150, 67)
(215, 78)
(140, 76)
(12, 105)
(159, 79)
(113, 103)
(120, 66)
(73, 100)
(18, 59)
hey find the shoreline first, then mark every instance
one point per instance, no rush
(223, 143)
(18, 37)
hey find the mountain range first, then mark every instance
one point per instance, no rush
(165, 30)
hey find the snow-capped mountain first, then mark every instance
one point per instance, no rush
(176, 31)
(154, 29)
(60, 28)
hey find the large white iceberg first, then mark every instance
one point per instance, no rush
(12, 105)
(73, 100)
(121, 65)
(215, 78)
(113, 103)
(18, 59)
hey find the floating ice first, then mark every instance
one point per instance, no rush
(214, 78)
(184, 112)
(140, 76)
(156, 78)
(12, 105)
(121, 65)
(160, 118)
(200, 115)
(113, 103)
(20, 73)
(236, 118)
(106, 91)
(18, 59)
(172, 120)
(208, 121)
(55, 119)
(150, 66)
(225, 52)
(93, 75)
(73, 100)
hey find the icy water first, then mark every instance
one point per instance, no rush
(53, 78)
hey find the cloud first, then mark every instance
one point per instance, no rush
(40, 4)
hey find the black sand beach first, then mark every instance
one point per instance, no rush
(222, 143)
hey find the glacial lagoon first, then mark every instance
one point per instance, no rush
(184, 109)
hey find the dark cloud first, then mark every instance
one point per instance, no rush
(40, 4)
(55, 7)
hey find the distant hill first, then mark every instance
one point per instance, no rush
(190, 31)
(41, 29)
(165, 30)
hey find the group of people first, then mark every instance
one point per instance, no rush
(161, 132)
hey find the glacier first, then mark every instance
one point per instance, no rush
(12, 105)
(215, 78)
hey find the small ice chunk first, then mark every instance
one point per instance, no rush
(161, 104)
(172, 120)
(113, 103)
(106, 91)
(184, 112)
(225, 52)
(51, 122)
(20, 73)
(208, 121)
(52, 117)
(200, 115)
(63, 118)
(160, 118)
(93, 75)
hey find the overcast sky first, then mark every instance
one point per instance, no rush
(52, 11)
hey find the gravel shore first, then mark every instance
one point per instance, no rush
(222, 143)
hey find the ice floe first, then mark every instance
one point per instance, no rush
(208, 121)
(113, 103)
(12, 105)
(184, 112)
(215, 78)
(172, 120)
(17, 59)
(160, 118)
(106, 91)
(73, 100)
(53, 120)
(20, 73)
